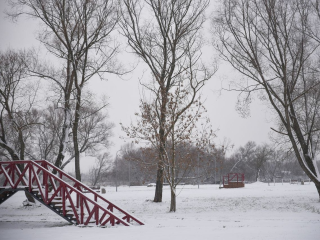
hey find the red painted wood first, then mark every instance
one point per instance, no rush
(82, 207)
(234, 180)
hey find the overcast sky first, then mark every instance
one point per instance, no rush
(124, 95)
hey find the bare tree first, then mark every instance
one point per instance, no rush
(262, 154)
(99, 169)
(94, 130)
(214, 161)
(180, 131)
(168, 41)
(48, 135)
(138, 165)
(269, 42)
(274, 166)
(17, 101)
(80, 34)
(242, 158)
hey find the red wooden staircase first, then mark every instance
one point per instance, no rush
(61, 193)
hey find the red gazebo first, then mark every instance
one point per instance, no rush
(233, 180)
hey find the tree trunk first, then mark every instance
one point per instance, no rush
(75, 131)
(173, 204)
(257, 175)
(318, 189)
(159, 183)
(162, 142)
(27, 194)
(29, 197)
(75, 142)
(22, 150)
(76, 154)
(13, 154)
(306, 164)
(310, 171)
(22, 144)
(172, 172)
(63, 140)
(21, 166)
(67, 116)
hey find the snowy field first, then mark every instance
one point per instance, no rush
(257, 211)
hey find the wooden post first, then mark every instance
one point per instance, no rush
(63, 199)
(30, 187)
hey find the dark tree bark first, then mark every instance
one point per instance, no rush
(75, 136)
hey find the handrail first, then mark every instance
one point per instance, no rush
(80, 193)
(64, 187)
(88, 189)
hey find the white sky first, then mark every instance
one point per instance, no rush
(124, 95)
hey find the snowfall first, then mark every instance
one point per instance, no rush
(257, 211)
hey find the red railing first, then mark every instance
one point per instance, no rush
(233, 177)
(37, 177)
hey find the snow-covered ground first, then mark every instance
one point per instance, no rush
(258, 211)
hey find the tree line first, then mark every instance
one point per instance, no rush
(138, 166)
